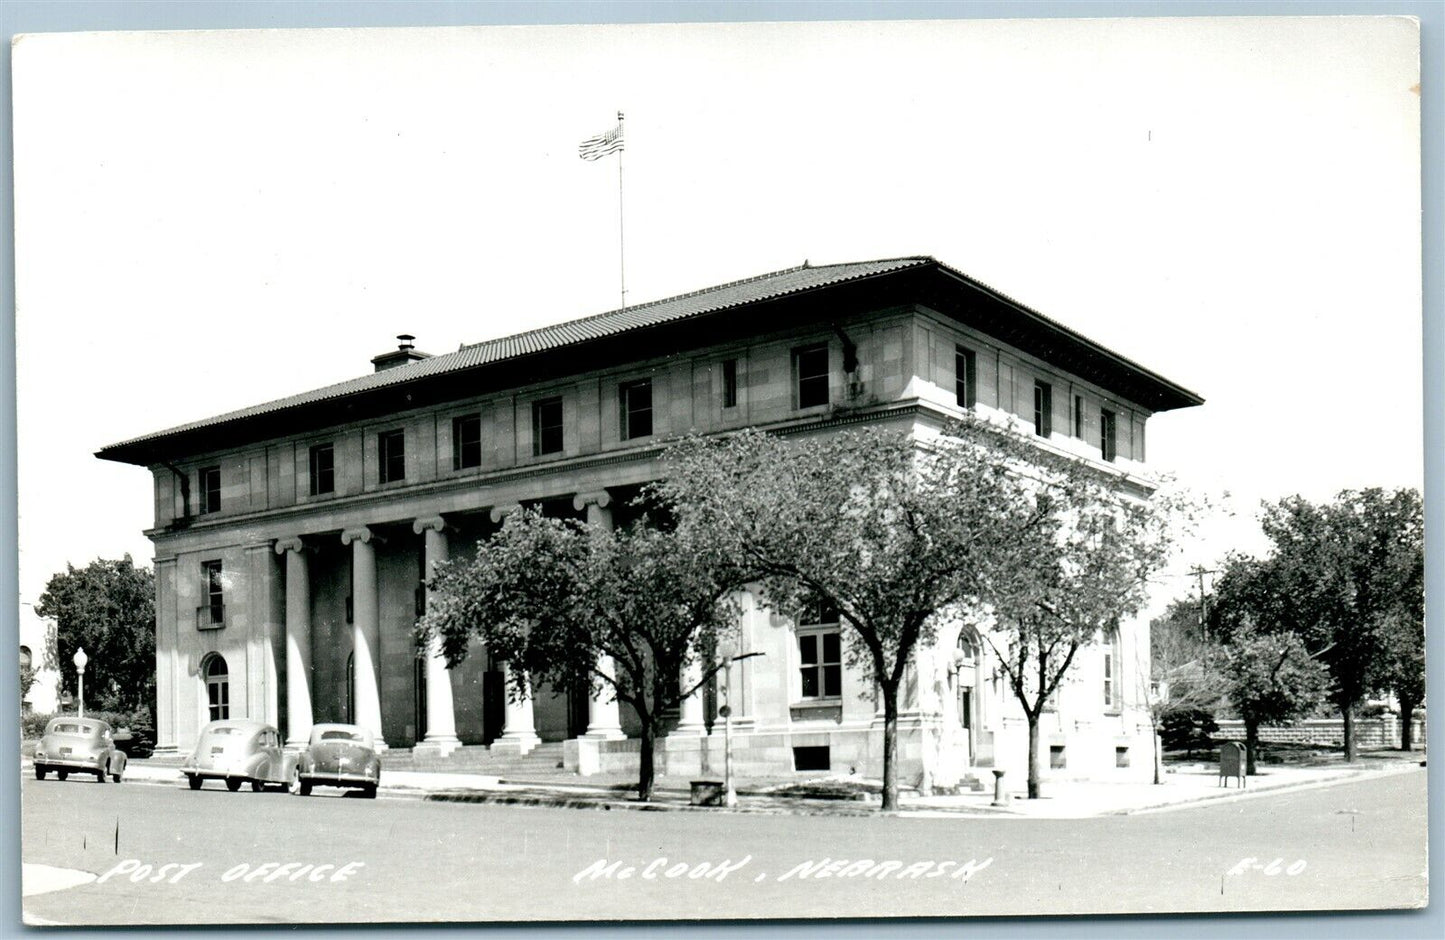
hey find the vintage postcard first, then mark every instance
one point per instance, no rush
(720, 471)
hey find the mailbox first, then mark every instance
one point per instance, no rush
(1232, 763)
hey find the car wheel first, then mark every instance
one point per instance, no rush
(233, 784)
(115, 777)
(61, 774)
(193, 781)
(257, 786)
(369, 792)
(100, 775)
(40, 772)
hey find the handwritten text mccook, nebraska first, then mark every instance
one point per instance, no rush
(813, 869)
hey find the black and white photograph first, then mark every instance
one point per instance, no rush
(720, 471)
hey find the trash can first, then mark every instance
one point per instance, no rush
(708, 793)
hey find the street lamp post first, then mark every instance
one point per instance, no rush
(727, 651)
(80, 660)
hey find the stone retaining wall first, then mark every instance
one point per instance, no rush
(1381, 732)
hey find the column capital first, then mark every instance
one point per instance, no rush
(292, 544)
(601, 498)
(435, 523)
(361, 533)
(499, 513)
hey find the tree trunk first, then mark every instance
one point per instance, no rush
(1251, 747)
(1034, 787)
(1349, 714)
(890, 748)
(1407, 734)
(645, 770)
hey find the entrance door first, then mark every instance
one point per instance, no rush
(579, 710)
(494, 705)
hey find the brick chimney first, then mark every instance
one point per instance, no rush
(404, 354)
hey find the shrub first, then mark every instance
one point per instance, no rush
(32, 725)
(1185, 729)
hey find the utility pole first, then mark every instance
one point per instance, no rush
(1200, 572)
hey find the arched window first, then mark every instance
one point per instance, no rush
(25, 657)
(218, 686)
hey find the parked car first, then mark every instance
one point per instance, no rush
(338, 756)
(238, 750)
(79, 745)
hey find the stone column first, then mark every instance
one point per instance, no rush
(519, 734)
(441, 722)
(168, 653)
(265, 605)
(603, 718)
(365, 631)
(691, 722)
(298, 641)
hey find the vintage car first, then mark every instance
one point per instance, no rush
(78, 745)
(338, 756)
(239, 750)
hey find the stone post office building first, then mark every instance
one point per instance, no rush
(293, 538)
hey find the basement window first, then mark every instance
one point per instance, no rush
(812, 758)
(1056, 757)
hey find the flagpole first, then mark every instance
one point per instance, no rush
(621, 233)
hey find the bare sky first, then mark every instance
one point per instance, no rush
(210, 220)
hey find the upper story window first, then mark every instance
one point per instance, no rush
(1108, 443)
(636, 408)
(210, 489)
(820, 652)
(810, 369)
(1079, 417)
(547, 426)
(1043, 409)
(212, 612)
(323, 469)
(466, 441)
(965, 376)
(730, 383)
(391, 456)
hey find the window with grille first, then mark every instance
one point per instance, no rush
(323, 469)
(391, 456)
(213, 611)
(466, 442)
(218, 688)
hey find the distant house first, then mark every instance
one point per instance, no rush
(292, 537)
(37, 651)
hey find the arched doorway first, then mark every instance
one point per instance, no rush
(218, 687)
(966, 661)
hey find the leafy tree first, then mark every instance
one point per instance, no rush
(108, 608)
(1070, 582)
(1184, 683)
(551, 597)
(1272, 679)
(891, 534)
(1346, 578)
(1404, 637)
(27, 679)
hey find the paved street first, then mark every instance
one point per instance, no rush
(270, 857)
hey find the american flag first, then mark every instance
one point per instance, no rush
(594, 148)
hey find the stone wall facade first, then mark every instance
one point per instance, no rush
(1378, 733)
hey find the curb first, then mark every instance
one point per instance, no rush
(606, 805)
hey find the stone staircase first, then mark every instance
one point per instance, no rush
(545, 760)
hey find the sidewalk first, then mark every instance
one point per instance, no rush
(1186, 784)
